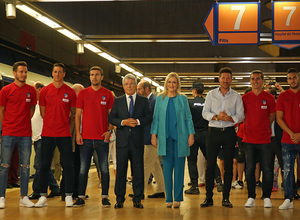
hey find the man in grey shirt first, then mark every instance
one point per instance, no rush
(223, 108)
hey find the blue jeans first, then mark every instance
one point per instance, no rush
(289, 152)
(86, 152)
(173, 163)
(8, 144)
(263, 153)
(64, 145)
(37, 166)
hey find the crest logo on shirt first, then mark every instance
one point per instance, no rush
(264, 102)
(103, 97)
(28, 95)
(66, 95)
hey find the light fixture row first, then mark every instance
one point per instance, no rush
(11, 14)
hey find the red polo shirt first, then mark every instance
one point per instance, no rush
(289, 103)
(257, 111)
(57, 103)
(17, 101)
(95, 106)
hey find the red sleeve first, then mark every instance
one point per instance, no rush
(79, 102)
(33, 99)
(111, 100)
(73, 100)
(3, 97)
(42, 101)
(272, 105)
(279, 105)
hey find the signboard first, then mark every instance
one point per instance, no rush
(286, 24)
(233, 23)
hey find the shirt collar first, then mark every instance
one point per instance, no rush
(133, 96)
(149, 95)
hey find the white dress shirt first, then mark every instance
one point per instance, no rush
(215, 103)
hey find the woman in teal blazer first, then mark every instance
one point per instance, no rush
(172, 132)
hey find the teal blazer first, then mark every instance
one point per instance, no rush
(185, 125)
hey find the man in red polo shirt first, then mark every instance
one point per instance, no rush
(56, 101)
(17, 105)
(259, 114)
(93, 104)
(288, 118)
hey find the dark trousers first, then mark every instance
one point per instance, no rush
(216, 139)
(261, 153)
(64, 145)
(136, 156)
(200, 142)
(276, 150)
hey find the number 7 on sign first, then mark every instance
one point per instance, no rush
(238, 20)
(292, 9)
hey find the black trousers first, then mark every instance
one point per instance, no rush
(200, 142)
(215, 139)
(135, 154)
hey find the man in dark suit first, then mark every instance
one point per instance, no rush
(130, 113)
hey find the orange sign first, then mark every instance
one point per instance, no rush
(238, 17)
(286, 16)
(236, 38)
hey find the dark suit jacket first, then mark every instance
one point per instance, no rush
(119, 112)
(152, 100)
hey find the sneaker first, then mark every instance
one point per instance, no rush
(79, 203)
(25, 202)
(267, 203)
(192, 191)
(69, 201)
(42, 202)
(275, 189)
(258, 183)
(220, 187)
(53, 194)
(105, 202)
(240, 183)
(2, 202)
(287, 204)
(250, 203)
(236, 185)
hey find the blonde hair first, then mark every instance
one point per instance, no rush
(171, 74)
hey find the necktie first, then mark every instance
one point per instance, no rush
(131, 106)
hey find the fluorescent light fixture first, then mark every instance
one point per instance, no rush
(161, 88)
(265, 39)
(38, 16)
(92, 48)
(147, 79)
(69, 34)
(155, 84)
(127, 41)
(129, 69)
(137, 73)
(109, 57)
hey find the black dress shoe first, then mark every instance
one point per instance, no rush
(34, 196)
(138, 205)
(143, 197)
(118, 205)
(157, 195)
(207, 203)
(296, 196)
(9, 186)
(226, 203)
(53, 194)
(16, 185)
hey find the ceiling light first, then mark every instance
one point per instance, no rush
(137, 73)
(80, 48)
(10, 11)
(147, 79)
(155, 84)
(129, 69)
(161, 88)
(109, 57)
(92, 48)
(69, 34)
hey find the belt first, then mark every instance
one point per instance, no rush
(220, 129)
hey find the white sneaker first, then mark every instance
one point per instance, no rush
(69, 201)
(2, 202)
(267, 203)
(250, 203)
(236, 185)
(287, 204)
(42, 202)
(25, 202)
